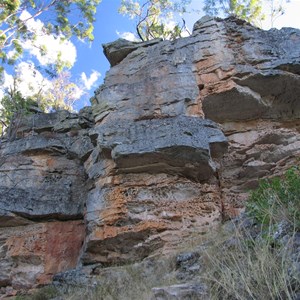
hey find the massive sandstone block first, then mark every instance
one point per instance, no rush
(228, 71)
(183, 129)
(180, 145)
(151, 122)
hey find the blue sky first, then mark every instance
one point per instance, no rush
(109, 22)
(91, 57)
(88, 60)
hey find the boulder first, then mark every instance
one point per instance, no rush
(180, 145)
(119, 49)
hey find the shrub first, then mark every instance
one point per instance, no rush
(255, 262)
(277, 200)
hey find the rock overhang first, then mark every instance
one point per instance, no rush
(179, 145)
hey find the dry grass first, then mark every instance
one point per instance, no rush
(247, 268)
(132, 282)
(260, 262)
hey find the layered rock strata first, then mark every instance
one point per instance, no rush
(243, 78)
(154, 184)
(175, 138)
(42, 196)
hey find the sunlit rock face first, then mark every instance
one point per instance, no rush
(175, 138)
(163, 166)
(157, 183)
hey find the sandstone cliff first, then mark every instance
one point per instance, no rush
(175, 138)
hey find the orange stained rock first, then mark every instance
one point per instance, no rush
(64, 241)
(116, 206)
(56, 244)
(106, 232)
(218, 87)
(208, 64)
(195, 110)
(225, 74)
(209, 78)
(51, 162)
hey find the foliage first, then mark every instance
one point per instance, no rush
(58, 18)
(276, 9)
(155, 18)
(255, 261)
(134, 281)
(249, 10)
(13, 104)
(62, 93)
(277, 199)
(59, 93)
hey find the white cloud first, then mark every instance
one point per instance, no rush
(78, 92)
(30, 79)
(88, 82)
(11, 53)
(7, 83)
(31, 23)
(54, 45)
(129, 36)
(7, 80)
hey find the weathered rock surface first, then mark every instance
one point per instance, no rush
(179, 145)
(30, 255)
(118, 50)
(42, 196)
(180, 292)
(176, 136)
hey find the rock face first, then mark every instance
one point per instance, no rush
(176, 136)
(43, 190)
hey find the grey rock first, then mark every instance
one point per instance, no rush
(119, 49)
(142, 87)
(226, 106)
(74, 277)
(41, 175)
(41, 122)
(35, 194)
(57, 203)
(60, 121)
(179, 145)
(101, 110)
(205, 21)
(234, 70)
(186, 257)
(188, 266)
(180, 292)
(81, 147)
(34, 144)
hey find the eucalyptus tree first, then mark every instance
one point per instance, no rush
(61, 18)
(26, 29)
(156, 18)
(249, 10)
